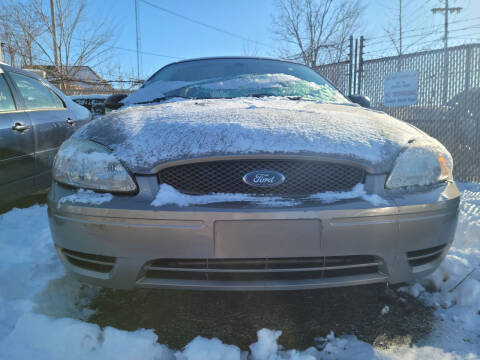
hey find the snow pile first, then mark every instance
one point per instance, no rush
(145, 136)
(86, 197)
(31, 275)
(44, 338)
(169, 195)
(357, 192)
(42, 310)
(454, 288)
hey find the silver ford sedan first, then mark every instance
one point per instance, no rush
(250, 174)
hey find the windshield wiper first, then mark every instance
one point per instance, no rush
(270, 95)
(163, 98)
(261, 95)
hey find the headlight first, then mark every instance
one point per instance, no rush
(421, 164)
(86, 164)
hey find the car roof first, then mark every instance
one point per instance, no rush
(7, 67)
(235, 57)
(220, 58)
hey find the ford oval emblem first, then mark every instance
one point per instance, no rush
(263, 178)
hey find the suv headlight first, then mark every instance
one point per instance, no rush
(86, 164)
(421, 164)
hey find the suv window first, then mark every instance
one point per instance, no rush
(35, 94)
(6, 99)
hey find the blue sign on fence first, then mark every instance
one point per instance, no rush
(401, 88)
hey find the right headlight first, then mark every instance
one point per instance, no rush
(421, 164)
(89, 165)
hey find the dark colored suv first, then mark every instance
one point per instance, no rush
(35, 118)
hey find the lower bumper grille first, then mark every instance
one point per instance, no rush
(424, 256)
(262, 269)
(92, 262)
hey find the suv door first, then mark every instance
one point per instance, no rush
(16, 146)
(51, 119)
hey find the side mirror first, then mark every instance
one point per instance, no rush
(360, 100)
(113, 102)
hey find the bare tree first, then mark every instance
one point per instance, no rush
(313, 31)
(7, 38)
(26, 27)
(249, 49)
(403, 17)
(80, 40)
(19, 27)
(121, 78)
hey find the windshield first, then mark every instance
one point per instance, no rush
(232, 78)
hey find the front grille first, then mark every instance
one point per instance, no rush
(262, 269)
(92, 262)
(424, 256)
(302, 177)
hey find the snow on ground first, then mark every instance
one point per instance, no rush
(42, 310)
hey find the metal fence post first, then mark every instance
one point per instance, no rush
(360, 66)
(468, 67)
(355, 66)
(350, 65)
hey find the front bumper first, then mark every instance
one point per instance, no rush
(126, 243)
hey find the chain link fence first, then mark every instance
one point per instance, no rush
(448, 101)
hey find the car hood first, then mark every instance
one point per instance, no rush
(146, 136)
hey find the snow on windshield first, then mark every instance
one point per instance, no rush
(238, 86)
(154, 90)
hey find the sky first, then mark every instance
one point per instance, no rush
(165, 34)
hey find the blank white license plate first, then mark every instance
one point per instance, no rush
(267, 238)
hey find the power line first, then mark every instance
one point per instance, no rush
(425, 28)
(202, 23)
(425, 34)
(146, 53)
(120, 48)
(446, 10)
(382, 51)
(129, 50)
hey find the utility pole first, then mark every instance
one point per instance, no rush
(446, 10)
(139, 44)
(400, 27)
(54, 32)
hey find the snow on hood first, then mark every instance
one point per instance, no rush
(145, 136)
